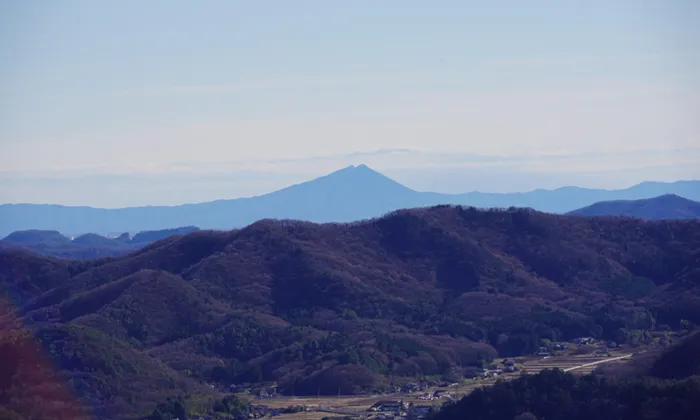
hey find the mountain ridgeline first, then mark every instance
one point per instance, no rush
(350, 194)
(665, 207)
(89, 245)
(328, 308)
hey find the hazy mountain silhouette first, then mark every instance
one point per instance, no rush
(668, 206)
(36, 237)
(89, 245)
(146, 237)
(349, 194)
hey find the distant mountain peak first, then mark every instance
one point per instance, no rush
(356, 169)
(352, 193)
(353, 177)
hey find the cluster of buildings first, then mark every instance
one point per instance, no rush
(411, 387)
(583, 340)
(269, 391)
(506, 366)
(264, 393)
(435, 395)
(392, 409)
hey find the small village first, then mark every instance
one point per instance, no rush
(416, 399)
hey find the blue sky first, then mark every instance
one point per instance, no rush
(164, 102)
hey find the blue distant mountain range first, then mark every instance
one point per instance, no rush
(86, 246)
(664, 207)
(349, 194)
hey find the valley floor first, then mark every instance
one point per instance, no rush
(339, 406)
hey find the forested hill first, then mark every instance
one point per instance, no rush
(341, 307)
(670, 390)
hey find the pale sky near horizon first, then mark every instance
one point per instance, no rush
(165, 102)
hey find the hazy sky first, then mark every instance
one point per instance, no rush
(114, 103)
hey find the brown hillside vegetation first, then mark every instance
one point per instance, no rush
(318, 307)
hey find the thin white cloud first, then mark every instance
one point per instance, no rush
(392, 159)
(567, 120)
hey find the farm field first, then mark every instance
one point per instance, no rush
(570, 361)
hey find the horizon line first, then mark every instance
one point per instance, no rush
(353, 166)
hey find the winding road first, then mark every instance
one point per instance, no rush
(626, 356)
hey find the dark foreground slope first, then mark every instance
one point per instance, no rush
(665, 207)
(670, 390)
(555, 395)
(329, 308)
(72, 371)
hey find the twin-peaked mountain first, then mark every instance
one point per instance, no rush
(89, 245)
(350, 194)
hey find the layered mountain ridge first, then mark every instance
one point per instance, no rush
(318, 307)
(350, 194)
(664, 207)
(86, 246)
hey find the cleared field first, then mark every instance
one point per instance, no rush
(567, 362)
(284, 402)
(307, 415)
